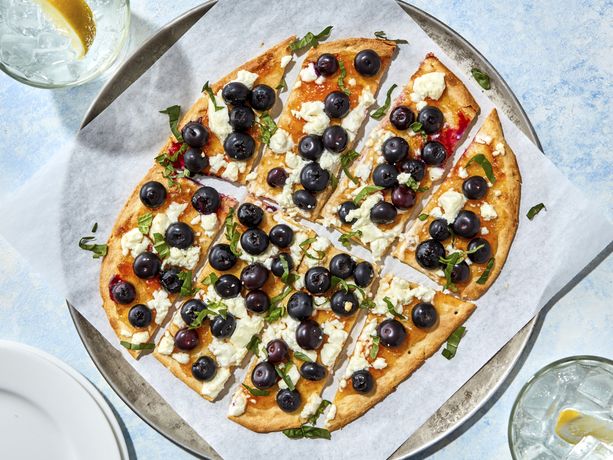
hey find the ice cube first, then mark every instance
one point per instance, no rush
(526, 426)
(52, 41)
(572, 373)
(598, 386)
(16, 50)
(537, 400)
(537, 452)
(590, 448)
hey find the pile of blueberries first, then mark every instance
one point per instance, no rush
(466, 225)
(335, 139)
(395, 151)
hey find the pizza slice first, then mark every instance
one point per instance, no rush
(248, 274)
(221, 134)
(406, 326)
(463, 236)
(319, 124)
(403, 157)
(159, 239)
(299, 349)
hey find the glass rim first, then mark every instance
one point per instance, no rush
(537, 375)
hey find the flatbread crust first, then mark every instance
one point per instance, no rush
(504, 195)
(270, 72)
(302, 91)
(116, 263)
(459, 109)
(451, 314)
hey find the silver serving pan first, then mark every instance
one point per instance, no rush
(463, 408)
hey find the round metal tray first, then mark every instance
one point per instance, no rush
(461, 408)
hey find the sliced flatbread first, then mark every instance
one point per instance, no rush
(391, 366)
(459, 110)
(497, 211)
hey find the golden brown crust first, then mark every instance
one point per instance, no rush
(504, 196)
(459, 109)
(451, 314)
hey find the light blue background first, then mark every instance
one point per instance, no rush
(555, 55)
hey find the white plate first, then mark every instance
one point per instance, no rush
(48, 410)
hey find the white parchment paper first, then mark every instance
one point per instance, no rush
(91, 183)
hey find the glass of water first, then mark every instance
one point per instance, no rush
(35, 51)
(538, 426)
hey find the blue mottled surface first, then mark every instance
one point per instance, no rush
(555, 56)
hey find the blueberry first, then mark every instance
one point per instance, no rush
(460, 272)
(363, 274)
(335, 138)
(482, 255)
(474, 188)
(402, 117)
(239, 146)
(241, 118)
(276, 267)
(424, 315)
(179, 235)
(304, 200)
(147, 265)
(362, 381)
(123, 292)
(262, 97)
(314, 178)
(300, 306)
(439, 229)
(309, 335)
(227, 286)
(281, 235)
(257, 301)
(342, 266)
(344, 209)
(288, 401)
(344, 303)
(466, 224)
(235, 93)
(391, 332)
(416, 168)
(190, 310)
(152, 194)
(434, 153)
(367, 62)
(254, 241)
(383, 213)
(336, 104)
(276, 177)
(395, 149)
(431, 119)
(277, 351)
(206, 200)
(311, 147)
(250, 215)
(195, 160)
(195, 134)
(428, 254)
(403, 197)
(327, 64)
(140, 315)
(312, 371)
(223, 327)
(204, 369)
(186, 339)
(170, 281)
(385, 175)
(254, 276)
(317, 280)
(264, 375)
(221, 257)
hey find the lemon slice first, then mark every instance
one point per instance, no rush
(75, 17)
(573, 425)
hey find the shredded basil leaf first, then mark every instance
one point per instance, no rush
(274, 314)
(345, 238)
(214, 309)
(210, 279)
(482, 78)
(310, 40)
(187, 290)
(418, 128)
(254, 345)
(160, 246)
(320, 254)
(137, 346)
(166, 160)
(380, 112)
(367, 303)
(412, 184)
(383, 36)
(307, 431)
(423, 216)
(453, 342)
(302, 357)
(486, 274)
(534, 210)
(375, 347)
(98, 250)
(347, 158)
(320, 410)
(341, 78)
(144, 223)
(282, 85)
(287, 277)
(173, 113)
(95, 227)
(451, 261)
(340, 281)
(207, 88)
(282, 372)
(256, 391)
(392, 310)
(267, 128)
(485, 164)
(232, 234)
(368, 190)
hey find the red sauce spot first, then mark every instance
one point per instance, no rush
(179, 163)
(116, 279)
(449, 137)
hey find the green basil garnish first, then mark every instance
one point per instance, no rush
(423, 216)
(368, 190)
(282, 85)
(302, 357)
(345, 238)
(320, 410)
(380, 112)
(160, 246)
(375, 347)
(383, 36)
(137, 346)
(267, 128)
(232, 234)
(482, 78)
(210, 279)
(485, 164)
(391, 309)
(282, 372)
(254, 345)
(486, 274)
(206, 88)
(341, 78)
(173, 113)
(307, 431)
(453, 342)
(144, 223)
(534, 210)
(310, 40)
(98, 250)
(187, 290)
(256, 391)
(347, 159)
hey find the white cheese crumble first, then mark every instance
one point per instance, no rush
(226, 354)
(351, 82)
(379, 363)
(497, 193)
(233, 169)
(429, 85)
(160, 304)
(216, 162)
(281, 141)
(420, 105)
(362, 171)
(330, 161)
(435, 173)
(331, 413)
(308, 73)
(181, 358)
(311, 406)
(286, 60)
(178, 321)
(483, 139)
(216, 384)
(140, 337)
(167, 344)
(175, 210)
(358, 360)
(208, 222)
(499, 150)
(399, 293)
(353, 120)
(452, 203)
(186, 258)
(219, 120)
(134, 242)
(246, 78)
(238, 403)
(488, 212)
(253, 175)
(484, 231)
(336, 338)
(265, 258)
(436, 212)
(313, 113)
(462, 173)
(286, 329)
(246, 328)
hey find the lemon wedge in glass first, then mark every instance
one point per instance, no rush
(573, 425)
(74, 17)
